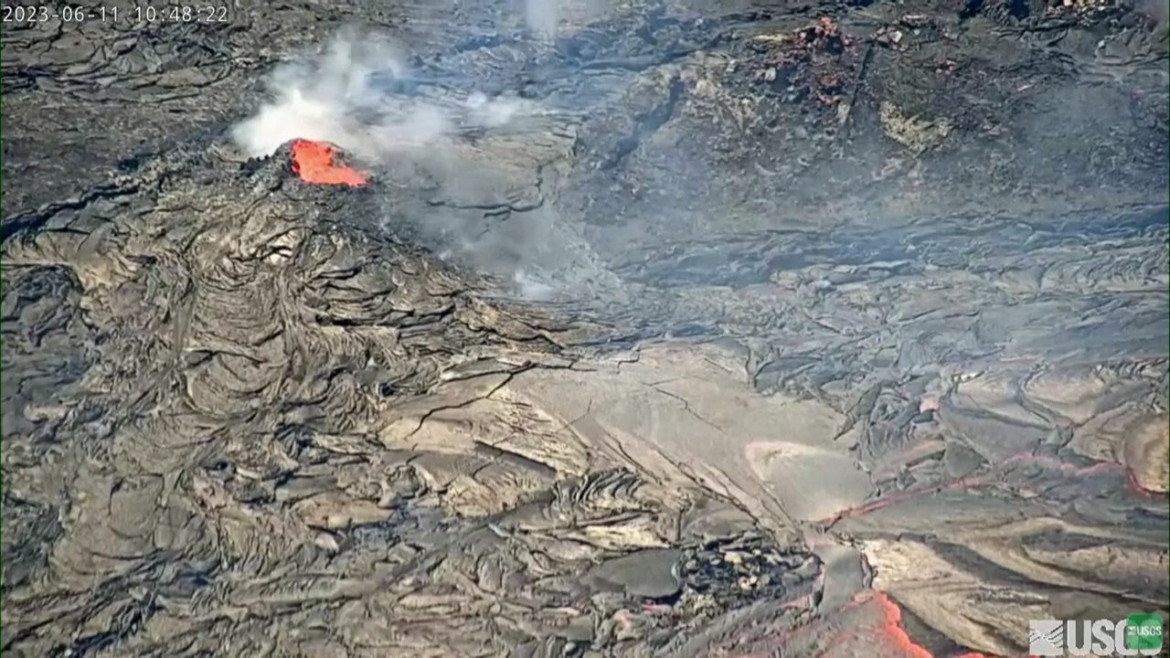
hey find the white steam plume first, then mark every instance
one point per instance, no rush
(542, 16)
(349, 95)
(360, 95)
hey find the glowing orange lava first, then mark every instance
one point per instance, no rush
(892, 628)
(313, 162)
(895, 633)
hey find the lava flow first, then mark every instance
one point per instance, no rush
(314, 163)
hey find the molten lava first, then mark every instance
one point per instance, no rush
(314, 163)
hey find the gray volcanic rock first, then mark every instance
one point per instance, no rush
(686, 329)
(648, 574)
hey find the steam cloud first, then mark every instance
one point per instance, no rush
(542, 17)
(347, 96)
(359, 94)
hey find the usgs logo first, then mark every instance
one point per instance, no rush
(1138, 635)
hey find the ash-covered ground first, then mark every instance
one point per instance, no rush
(658, 329)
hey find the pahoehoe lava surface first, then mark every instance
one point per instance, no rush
(861, 342)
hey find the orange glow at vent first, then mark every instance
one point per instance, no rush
(313, 162)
